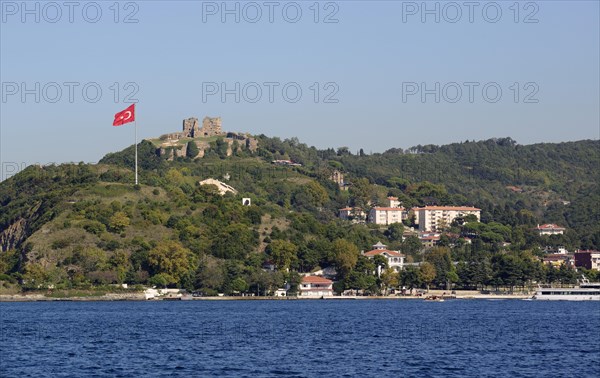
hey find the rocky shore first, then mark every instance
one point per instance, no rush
(43, 298)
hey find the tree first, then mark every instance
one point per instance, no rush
(210, 273)
(345, 256)
(121, 264)
(410, 277)
(221, 148)
(310, 196)
(35, 276)
(162, 280)
(119, 221)
(359, 280)
(283, 253)
(390, 279)
(440, 258)
(380, 263)
(361, 192)
(239, 285)
(394, 232)
(412, 245)
(234, 242)
(427, 273)
(171, 258)
(192, 150)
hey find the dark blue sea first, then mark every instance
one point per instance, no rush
(337, 338)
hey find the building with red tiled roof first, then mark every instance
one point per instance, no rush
(395, 259)
(550, 229)
(393, 213)
(557, 259)
(315, 286)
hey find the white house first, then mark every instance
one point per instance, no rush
(431, 218)
(395, 259)
(315, 286)
(550, 229)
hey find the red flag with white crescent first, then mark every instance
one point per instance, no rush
(125, 116)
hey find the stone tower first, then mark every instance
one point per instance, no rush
(211, 127)
(191, 128)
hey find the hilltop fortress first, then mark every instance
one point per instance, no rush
(175, 145)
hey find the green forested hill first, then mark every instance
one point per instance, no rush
(80, 225)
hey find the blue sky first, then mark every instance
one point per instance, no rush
(371, 68)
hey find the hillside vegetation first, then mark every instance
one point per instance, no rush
(79, 225)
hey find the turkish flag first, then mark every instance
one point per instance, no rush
(125, 116)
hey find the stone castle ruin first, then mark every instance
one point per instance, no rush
(210, 127)
(172, 146)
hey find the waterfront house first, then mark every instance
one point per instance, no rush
(395, 259)
(315, 286)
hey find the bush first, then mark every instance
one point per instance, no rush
(60, 244)
(209, 292)
(7, 278)
(192, 150)
(94, 227)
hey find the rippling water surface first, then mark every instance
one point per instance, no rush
(364, 338)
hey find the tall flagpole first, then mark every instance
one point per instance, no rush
(136, 152)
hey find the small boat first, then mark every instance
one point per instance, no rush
(434, 298)
(171, 297)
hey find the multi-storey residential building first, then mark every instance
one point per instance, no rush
(393, 213)
(587, 259)
(433, 218)
(387, 215)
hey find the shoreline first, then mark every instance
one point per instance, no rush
(139, 297)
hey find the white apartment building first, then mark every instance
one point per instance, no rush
(393, 213)
(387, 215)
(430, 218)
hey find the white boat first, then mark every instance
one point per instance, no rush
(586, 291)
